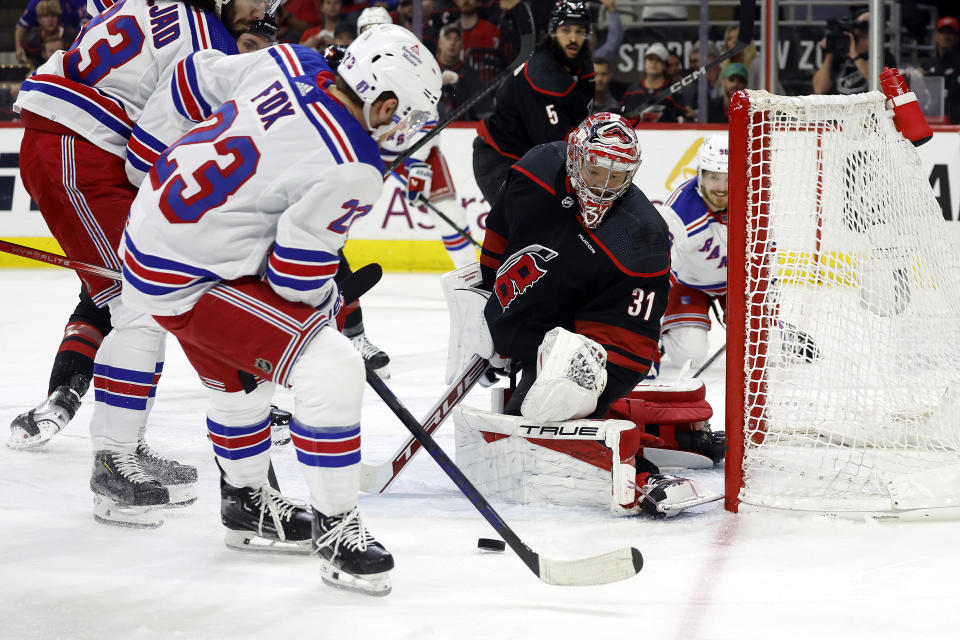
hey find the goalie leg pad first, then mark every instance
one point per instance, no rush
(571, 375)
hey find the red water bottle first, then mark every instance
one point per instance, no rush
(907, 116)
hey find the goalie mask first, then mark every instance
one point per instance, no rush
(387, 57)
(603, 155)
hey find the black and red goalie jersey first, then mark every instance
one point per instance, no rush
(546, 269)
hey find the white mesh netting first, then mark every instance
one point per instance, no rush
(852, 316)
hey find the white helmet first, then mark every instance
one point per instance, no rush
(387, 57)
(713, 155)
(373, 15)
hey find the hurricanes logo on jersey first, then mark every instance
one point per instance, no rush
(521, 271)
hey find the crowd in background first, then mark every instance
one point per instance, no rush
(475, 39)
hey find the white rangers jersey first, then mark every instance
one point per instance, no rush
(99, 86)
(698, 239)
(267, 186)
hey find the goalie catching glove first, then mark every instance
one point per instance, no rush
(571, 375)
(419, 178)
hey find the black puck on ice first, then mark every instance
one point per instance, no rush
(491, 544)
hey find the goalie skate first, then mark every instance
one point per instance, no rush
(179, 479)
(262, 520)
(664, 496)
(351, 558)
(36, 427)
(123, 494)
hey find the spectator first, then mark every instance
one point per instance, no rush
(324, 30)
(72, 16)
(747, 57)
(673, 67)
(654, 79)
(511, 17)
(845, 71)
(459, 80)
(946, 62)
(690, 94)
(345, 34)
(608, 90)
(608, 50)
(734, 79)
(51, 45)
(48, 28)
(477, 32)
(8, 95)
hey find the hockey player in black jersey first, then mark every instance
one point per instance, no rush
(571, 242)
(541, 103)
(573, 283)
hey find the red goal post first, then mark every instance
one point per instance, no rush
(843, 315)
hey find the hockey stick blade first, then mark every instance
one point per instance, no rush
(58, 260)
(602, 569)
(528, 41)
(376, 478)
(748, 12)
(360, 281)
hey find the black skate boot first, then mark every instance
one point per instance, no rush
(373, 357)
(123, 494)
(179, 479)
(352, 558)
(34, 428)
(279, 425)
(263, 520)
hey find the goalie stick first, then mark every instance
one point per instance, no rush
(527, 43)
(609, 567)
(748, 12)
(376, 478)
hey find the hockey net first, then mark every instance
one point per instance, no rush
(843, 366)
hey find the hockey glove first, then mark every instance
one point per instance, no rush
(419, 177)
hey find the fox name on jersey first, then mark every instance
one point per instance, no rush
(99, 86)
(223, 213)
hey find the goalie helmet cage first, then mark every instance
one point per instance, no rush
(843, 325)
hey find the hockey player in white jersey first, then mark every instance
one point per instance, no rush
(232, 246)
(78, 111)
(425, 174)
(696, 214)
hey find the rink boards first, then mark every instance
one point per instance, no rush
(402, 238)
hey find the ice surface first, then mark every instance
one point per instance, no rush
(707, 574)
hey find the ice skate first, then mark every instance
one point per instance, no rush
(279, 426)
(352, 559)
(373, 357)
(179, 479)
(34, 428)
(263, 520)
(664, 496)
(123, 494)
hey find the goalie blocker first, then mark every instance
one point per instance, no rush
(593, 462)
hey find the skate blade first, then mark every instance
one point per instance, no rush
(181, 495)
(249, 541)
(20, 439)
(110, 512)
(373, 584)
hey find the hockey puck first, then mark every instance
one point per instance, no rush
(491, 544)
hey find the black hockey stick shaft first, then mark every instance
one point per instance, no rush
(748, 12)
(58, 260)
(527, 44)
(711, 360)
(439, 213)
(602, 569)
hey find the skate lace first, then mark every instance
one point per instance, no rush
(350, 532)
(146, 451)
(128, 466)
(279, 507)
(366, 348)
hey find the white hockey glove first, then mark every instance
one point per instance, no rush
(419, 178)
(571, 375)
(469, 334)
